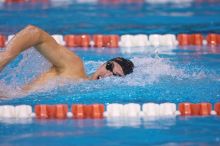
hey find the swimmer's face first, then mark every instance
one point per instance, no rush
(110, 68)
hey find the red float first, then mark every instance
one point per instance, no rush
(218, 39)
(196, 39)
(41, 111)
(98, 41)
(113, 41)
(2, 41)
(51, 111)
(212, 39)
(58, 111)
(185, 109)
(61, 111)
(84, 41)
(78, 111)
(14, 1)
(195, 109)
(94, 111)
(106, 40)
(205, 109)
(187, 39)
(87, 111)
(183, 39)
(217, 108)
(71, 40)
(97, 111)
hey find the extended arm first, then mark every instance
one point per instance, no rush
(58, 55)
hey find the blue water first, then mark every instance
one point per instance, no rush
(161, 74)
(180, 131)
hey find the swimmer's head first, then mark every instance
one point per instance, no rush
(115, 67)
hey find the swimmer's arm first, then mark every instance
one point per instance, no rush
(59, 56)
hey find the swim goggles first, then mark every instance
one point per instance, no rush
(109, 66)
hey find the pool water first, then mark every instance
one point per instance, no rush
(176, 74)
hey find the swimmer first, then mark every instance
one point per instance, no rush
(65, 63)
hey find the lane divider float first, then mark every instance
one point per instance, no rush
(130, 41)
(190, 39)
(20, 111)
(213, 39)
(94, 111)
(115, 110)
(77, 40)
(190, 109)
(2, 41)
(58, 111)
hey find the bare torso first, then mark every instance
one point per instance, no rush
(51, 74)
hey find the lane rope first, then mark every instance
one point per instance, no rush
(128, 41)
(115, 110)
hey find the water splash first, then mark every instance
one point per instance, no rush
(148, 70)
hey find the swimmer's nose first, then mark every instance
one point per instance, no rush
(109, 73)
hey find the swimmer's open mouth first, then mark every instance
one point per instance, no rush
(99, 77)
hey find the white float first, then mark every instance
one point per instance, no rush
(59, 39)
(7, 111)
(115, 110)
(151, 109)
(167, 109)
(23, 111)
(132, 110)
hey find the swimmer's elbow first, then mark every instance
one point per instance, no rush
(32, 28)
(33, 31)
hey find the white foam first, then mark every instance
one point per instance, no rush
(150, 70)
(14, 78)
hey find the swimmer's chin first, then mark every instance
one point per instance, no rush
(95, 76)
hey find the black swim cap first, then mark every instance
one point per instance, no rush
(126, 65)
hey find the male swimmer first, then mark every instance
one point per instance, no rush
(65, 63)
